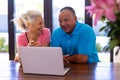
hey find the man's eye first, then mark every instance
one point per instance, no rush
(66, 20)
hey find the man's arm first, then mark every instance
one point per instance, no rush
(77, 58)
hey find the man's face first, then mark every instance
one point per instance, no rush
(67, 21)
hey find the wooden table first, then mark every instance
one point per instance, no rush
(10, 70)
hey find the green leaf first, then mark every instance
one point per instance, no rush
(113, 43)
(102, 28)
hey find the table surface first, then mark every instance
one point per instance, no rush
(10, 70)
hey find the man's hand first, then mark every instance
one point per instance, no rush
(66, 61)
(77, 58)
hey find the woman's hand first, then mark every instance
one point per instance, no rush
(34, 43)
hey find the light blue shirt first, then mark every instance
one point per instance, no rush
(81, 41)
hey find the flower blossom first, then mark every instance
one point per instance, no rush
(118, 3)
(105, 8)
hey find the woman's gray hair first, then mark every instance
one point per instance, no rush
(29, 16)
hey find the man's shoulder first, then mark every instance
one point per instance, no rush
(57, 30)
(85, 27)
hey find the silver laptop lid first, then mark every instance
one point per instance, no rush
(42, 60)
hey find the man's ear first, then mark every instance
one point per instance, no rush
(75, 17)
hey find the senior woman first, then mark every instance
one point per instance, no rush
(35, 33)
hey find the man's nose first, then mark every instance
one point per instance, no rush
(63, 23)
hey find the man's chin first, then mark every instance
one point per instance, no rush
(67, 31)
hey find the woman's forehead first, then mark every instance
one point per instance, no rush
(38, 19)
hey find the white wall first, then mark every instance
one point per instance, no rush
(116, 57)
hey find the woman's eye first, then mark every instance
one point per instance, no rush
(40, 23)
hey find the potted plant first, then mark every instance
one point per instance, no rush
(109, 12)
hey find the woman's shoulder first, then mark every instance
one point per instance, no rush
(46, 29)
(23, 34)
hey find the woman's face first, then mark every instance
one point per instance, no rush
(37, 26)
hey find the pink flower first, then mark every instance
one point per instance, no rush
(118, 2)
(101, 8)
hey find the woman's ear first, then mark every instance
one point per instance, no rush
(27, 24)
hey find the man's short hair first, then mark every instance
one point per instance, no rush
(70, 9)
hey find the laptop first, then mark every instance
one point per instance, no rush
(43, 60)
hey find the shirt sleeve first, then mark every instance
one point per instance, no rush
(55, 39)
(45, 38)
(21, 40)
(87, 44)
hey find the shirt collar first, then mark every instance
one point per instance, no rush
(74, 31)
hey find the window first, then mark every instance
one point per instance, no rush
(102, 42)
(4, 26)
